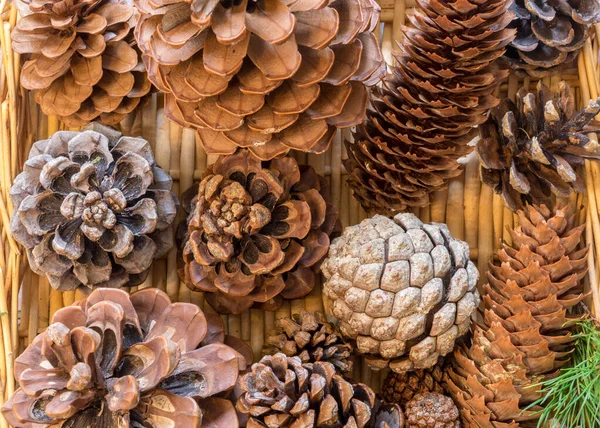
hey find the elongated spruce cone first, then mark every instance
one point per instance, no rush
(115, 360)
(93, 209)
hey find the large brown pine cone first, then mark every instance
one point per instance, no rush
(550, 33)
(92, 208)
(115, 360)
(403, 290)
(257, 232)
(281, 391)
(269, 75)
(400, 388)
(432, 410)
(526, 332)
(530, 149)
(422, 118)
(83, 64)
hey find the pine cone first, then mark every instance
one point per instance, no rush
(310, 337)
(404, 290)
(92, 208)
(82, 64)
(526, 332)
(400, 388)
(268, 75)
(529, 150)
(118, 360)
(257, 232)
(281, 391)
(432, 410)
(423, 117)
(549, 34)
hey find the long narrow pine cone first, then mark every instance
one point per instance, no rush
(256, 232)
(525, 336)
(115, 360)
(93, 209)
(422, 119)
(530, 149)
(83, 64)
(281, 391)
(269, 75)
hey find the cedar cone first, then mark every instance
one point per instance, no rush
(92, 208)
(119, 360)
(432, 410)
(83, 63)
(549, 34)
(257, 232)
(281, 391)
(310, 337)
(268, 75)
(400, 388)
(526, 331)
(422, 119)
(529, 150)
(403, 290)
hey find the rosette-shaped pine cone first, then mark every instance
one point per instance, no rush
(256, 232)
(525, 336)
(400, 388)
(403, 290)
(530, 149)
(83, 64)
(431, 410)
(93, 209)
(115, 360)
(423, 117)
(281, 391)
(310, 337)
(269, 75)
(550, 33)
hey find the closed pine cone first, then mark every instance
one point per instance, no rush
(82, 65)
(281, 391)
(256, 232)
(93, 209)
(115, 360)
(268, 75)
(525, 336)
(424, 116)
(432, 410)
(400, 388)
(310, 337)
(530, 149)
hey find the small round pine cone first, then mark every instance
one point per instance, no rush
(256, 232)
(400, 388)
(431, 410)
(116, 359)
(93, 209)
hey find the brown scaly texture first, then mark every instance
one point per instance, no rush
(526, 334)
(115, 360)
(281, 391)
(83, 64)
(432, 410)
(400, 388)
(530, 149)
(269, 75)
(310, 337)
(256, 232)
(93, 209)
(422, 119)
(549, 34)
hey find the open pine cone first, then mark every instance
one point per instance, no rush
(115, 360)
(269, 75)
(423, 117)
(550, 33)
(281, 391)
(256, 232)
(83, 62)
(403, 290)
(525, 336)
(92, 208)
(530, 150)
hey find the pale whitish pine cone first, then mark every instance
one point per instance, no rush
(404, 290)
